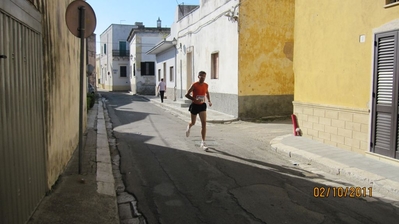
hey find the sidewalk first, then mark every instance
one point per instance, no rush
(175, 107)
(367, 170)
(88, 197)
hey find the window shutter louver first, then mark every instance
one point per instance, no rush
(383, 130)
(385, 65)
(385, 133)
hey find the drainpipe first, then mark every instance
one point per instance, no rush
(174, 42)
(175, 93)
(181, 81)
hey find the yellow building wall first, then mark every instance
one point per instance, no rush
(331, 65)
(265, 66)
(333, 62)
(61, 61)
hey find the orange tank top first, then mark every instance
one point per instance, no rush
(199, 91)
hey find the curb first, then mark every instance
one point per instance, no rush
(105, 178)
(378, 183)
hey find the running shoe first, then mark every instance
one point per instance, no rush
(204, 147)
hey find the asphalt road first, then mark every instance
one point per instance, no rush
(240, 180)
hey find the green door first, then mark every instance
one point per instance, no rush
(122, 48)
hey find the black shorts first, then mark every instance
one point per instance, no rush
(197, 108)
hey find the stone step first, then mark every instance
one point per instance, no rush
(182, 103)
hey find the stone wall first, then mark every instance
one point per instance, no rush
(345, 128)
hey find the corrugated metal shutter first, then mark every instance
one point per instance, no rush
(385, 101)
(22, 149)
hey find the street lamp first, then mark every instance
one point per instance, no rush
(174, 41)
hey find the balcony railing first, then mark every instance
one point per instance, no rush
(120, 53)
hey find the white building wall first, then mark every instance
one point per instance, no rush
(133, 71)
(120, 83)
(106, 58)
(205, 31)
(139, 45)
(166, 60)
(120, 33)
(110, 65)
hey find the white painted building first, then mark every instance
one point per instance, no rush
(114, 58)
(165, 52)
(206, 40)
(142, 65)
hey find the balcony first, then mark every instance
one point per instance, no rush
(120, 53)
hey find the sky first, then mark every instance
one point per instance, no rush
(130, 11)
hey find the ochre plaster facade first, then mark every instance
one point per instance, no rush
(265, 64)
(333, 66)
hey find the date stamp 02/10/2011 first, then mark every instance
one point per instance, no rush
(342, 192)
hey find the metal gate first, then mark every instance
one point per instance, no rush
(22, 149)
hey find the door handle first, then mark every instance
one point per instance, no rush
(3, 56)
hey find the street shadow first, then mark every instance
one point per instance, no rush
(223, 184)
(220, 187)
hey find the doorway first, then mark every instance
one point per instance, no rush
(189, 72)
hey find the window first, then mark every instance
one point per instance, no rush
(123, 71)
(159, 75)
(171, 73)
(215, 66)
(391, 3)
(105, 48)
(147, 68)
(122, 49)
(134, 69)
(387, 2)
